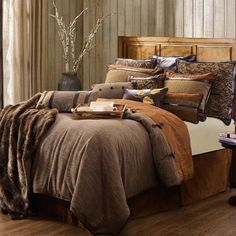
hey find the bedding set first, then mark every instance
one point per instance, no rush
(96, 164)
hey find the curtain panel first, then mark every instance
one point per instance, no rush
(23, 41)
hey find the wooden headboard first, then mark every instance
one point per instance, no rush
(206, 49)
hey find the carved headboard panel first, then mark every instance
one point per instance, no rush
(206, 49)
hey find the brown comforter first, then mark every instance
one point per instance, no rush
(98, 164)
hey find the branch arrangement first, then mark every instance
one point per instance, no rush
(67, 36)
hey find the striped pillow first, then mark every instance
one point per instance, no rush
(184, 105)
(191, 84)
(65, 100)
(120, 73)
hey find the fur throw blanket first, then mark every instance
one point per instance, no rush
(22, 126)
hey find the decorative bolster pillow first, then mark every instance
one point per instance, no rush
(65, 100)
(152, 97)
(152, 82)
(191, 84)
(169, 63)
(141, 63)
(184, 105)
(120, 73)
(112, 90)
(220, 103)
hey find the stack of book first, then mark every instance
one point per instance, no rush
(228, 138)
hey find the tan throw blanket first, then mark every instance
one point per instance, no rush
(21, 129)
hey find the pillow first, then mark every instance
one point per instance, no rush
(119, 73)
(65, 100)
(112, 90)
(169, 63)
(152, 82)
(220, 102)
(191, 84)
(184, 105)
(153, 97)
(143, 63)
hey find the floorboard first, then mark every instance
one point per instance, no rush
(210, 217)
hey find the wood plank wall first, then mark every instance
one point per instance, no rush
(53, 60)
(171, 18)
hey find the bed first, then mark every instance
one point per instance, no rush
(208, 160)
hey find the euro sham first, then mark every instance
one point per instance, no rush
(220, 104)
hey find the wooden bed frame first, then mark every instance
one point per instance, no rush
(207, 181)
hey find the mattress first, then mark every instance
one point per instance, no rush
(204, 135)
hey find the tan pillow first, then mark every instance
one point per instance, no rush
(120, 73)
(184, 105)
(65, 100)
(191, 84)
(112, 90)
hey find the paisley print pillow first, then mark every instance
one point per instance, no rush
(220, 103)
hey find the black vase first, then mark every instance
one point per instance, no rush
(69, 82)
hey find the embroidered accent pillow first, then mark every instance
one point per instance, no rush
(65, 100)
(191, 84)
(152, 97)
(119, 73)
(112, 90)
(220, 103)
(141, 63)
(184, 105)
(152, 82)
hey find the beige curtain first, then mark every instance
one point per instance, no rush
(23, 41)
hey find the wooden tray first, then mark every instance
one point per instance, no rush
(119, 113)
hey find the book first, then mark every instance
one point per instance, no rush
(231, 141)
(227, 135)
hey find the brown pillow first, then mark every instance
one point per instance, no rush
(112, 90)
(184, 105)
(152, 97)
(65, 100)
(119, 73)
(191, 84)
(220, 103)
(143, 63)
(152, 82)
(169, 63)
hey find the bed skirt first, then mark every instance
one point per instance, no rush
(206, 182)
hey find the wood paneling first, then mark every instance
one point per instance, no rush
(172, 18)
(53, 59)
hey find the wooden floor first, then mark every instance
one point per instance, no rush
(212, 216)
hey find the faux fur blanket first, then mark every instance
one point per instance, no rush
(22, 126)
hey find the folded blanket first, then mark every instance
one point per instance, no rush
(21, 129)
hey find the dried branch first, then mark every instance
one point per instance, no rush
(67, 36)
